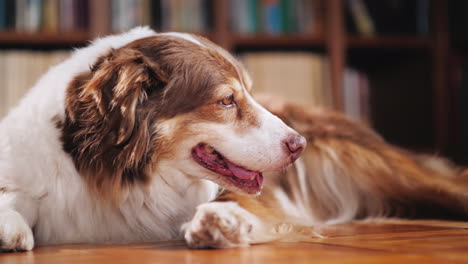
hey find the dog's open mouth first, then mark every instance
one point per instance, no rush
(247, 180)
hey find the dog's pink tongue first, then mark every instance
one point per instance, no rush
(240, 172)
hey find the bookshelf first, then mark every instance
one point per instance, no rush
(54, 39)
(330, 39)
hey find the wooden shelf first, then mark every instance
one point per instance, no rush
(41, 38)
(388, 42)
(277, 41)
(81, 38)
(384, 241)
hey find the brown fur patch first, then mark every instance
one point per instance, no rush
(107, 129)
(264, 206)
(247, 115)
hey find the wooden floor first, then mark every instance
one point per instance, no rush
(389, 242)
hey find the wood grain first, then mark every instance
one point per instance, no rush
(391, 241)
(336, 46)
(28, 39)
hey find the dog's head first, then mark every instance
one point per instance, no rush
(172, 102)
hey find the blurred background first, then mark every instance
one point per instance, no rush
(400, 66)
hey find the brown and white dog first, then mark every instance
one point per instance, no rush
(144, 137)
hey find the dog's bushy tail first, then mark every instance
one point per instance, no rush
(349, 172)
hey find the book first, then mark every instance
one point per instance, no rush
(304, 78)
(20, 15)
(145, 12)
(422, 17)
(92, 16)
(254, 16)
(306, 13)
(240, 16)
(388, 17)
(351, 93)
(3, 18)
(33, 15)
(50, 17)
(273, 16)
(117, 21)
(67, 16)
(10, 7)
(100, 21)
(288, 20)
(155, 14)
(81, 10)
(356, 95)
(296, 76)
(361, 17)
(20, 70)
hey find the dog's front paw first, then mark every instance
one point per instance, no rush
(220, 225)
(15, 234)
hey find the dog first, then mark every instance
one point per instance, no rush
(145, 136)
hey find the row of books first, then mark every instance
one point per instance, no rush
(274, 16)
(166, 15)
(44, 15)
(356, 99)
(399, 17)
(20, 70)
(104, 15)
(304, 78)
(366, 17)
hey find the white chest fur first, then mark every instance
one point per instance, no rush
(71, 215)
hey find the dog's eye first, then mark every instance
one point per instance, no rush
(228, 101)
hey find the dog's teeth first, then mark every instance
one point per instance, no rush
(253, 177)
(209, 149)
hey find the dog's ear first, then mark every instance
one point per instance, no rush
(119, 82)
(107, 129)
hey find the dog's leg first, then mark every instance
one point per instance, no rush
(15, 227)
(234, 220)
(222, 225)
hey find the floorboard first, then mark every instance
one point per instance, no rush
(392, 241)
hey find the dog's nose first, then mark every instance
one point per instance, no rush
(295, 144)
